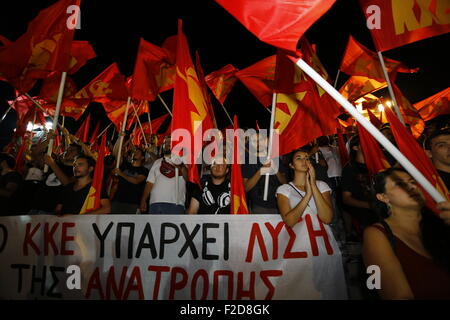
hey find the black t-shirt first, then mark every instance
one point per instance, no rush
(72, 201)
(356, 179)
(129, 192)
(46, 196)
(8, 205)
(256, 194)
(445, 177)
(213, 199)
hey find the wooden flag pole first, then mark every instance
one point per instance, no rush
(228, 115)
(391, 91)
(101, 133)
(269, 150)
(122, 133)
(5, 114)
(113, 134)
(404, 162)
(140, 124)
(337, 77)
(55, 118)
(165, 105)
(150, 123)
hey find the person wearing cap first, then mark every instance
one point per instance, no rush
(437, 148)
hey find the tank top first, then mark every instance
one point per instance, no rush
(426, 278)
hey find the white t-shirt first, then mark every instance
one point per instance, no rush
(164, 188)
(333, 160)
(294, 197)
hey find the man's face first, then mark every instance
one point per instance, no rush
(138, 155)
(440, 150)
(219, 169)
(81, 168)
(166, 146)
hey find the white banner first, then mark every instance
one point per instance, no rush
(165, 257)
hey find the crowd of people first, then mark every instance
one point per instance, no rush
(385, 212)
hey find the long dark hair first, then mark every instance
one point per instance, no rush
(290, 160)
(435, 233)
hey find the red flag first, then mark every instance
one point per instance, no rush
(190, 111)
(222, 81)
(409, 113)
(92, 201)
(358, 86)
(360, 61)
(83, 132)
(238, 203)
(301, 103)
(95, 133)
(407, 21)
(280, 23)
(44, 48)
(154, 71)
(201, 78)
(435, 105)
(343, 153)
(81, 52)
(259, 79)
(375, 159)
(5, 42)
(25, 110)
(115, 111)
(106, 87)
(141, 108)
(375, 121)
(414, 152)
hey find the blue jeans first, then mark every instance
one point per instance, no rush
(166, 208)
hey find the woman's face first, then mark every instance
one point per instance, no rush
(300, 161)
(402, 191)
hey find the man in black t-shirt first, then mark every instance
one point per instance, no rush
(253, 175)
(437, 147)
(10, 181)
(131, 185)
(73, 196)
(214, 197)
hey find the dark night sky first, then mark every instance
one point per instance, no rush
(114, 29)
